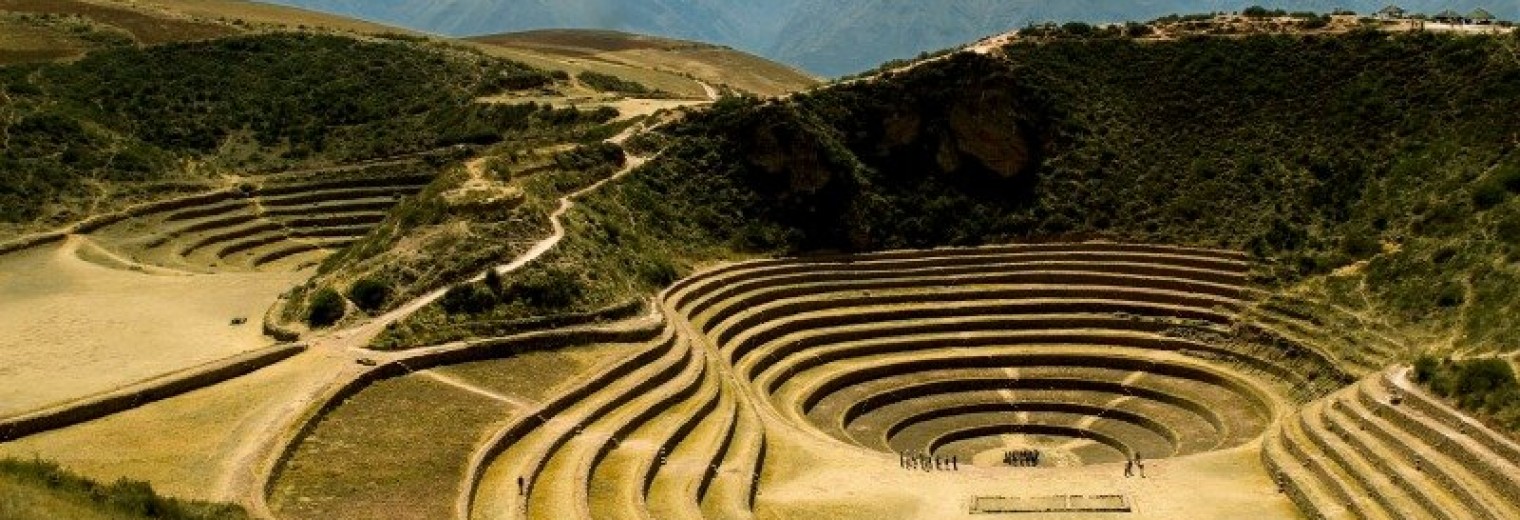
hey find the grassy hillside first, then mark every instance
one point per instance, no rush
(1374, 172)
(124, 123)
(42, 490)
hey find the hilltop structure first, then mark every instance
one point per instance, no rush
(1392, 12)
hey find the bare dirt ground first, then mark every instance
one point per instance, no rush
(75, 327)
(813, 478)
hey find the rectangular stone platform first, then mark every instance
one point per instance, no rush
(1051, 504)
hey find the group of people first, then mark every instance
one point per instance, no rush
(1022, 458)
(927, 462)
(1134, 465)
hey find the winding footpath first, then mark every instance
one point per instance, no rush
(247, 473)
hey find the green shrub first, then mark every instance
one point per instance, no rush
(610, 83)
(369, 294)
(327, 307)
(550, 288)
(1486, 195)
(1425, 368)
(470, 298)
(133, 113)
(1485, 387)
(493, 281)
(1508, 176)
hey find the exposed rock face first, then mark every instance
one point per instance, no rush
(972, 132)
(792, 156)
(987, 129)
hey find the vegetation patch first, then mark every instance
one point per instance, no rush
(463, 239)
(131, 116)
(43, 489)
(327, 307)
(532, 375)
(1485, 388)
(610, 83)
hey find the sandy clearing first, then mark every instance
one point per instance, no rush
(806, 479)
(75, 328)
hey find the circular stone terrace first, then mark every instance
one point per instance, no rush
(798, 388)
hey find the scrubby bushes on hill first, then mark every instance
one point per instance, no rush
(610, 83)
(286, 88)
(134, 114)
(1483, 387)
(1315, 153)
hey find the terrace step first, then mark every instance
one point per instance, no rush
(749, 309)
(1349, 491)
(1126, 437)
(829, 395)
(337, 207)
(983, 343)
(230, 235)
(548, 462)
(732, 492)
(207, 210)
(1190, 432)
(676, 494)
(563, 488)
(1312, 495)
(1214, 282)
(1381, 494)
(312, 196)
(340, 183)
(629, 470)
(1505, 449)
(1226, 261)
(521, 449)
(766, 345)
(1424, 496)
(1471, 462)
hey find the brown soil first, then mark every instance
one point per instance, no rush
(75, 328)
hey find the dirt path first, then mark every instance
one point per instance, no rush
(712, 93)
(462, 385)
(246, 473)
(357, 337)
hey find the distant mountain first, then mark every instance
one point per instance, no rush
(828, 37)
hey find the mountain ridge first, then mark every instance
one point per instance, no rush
(826, 38)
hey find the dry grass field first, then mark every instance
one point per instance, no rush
(395, 448)
(193, 445)
(658, 58)
(145, 27)
(264, 14)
